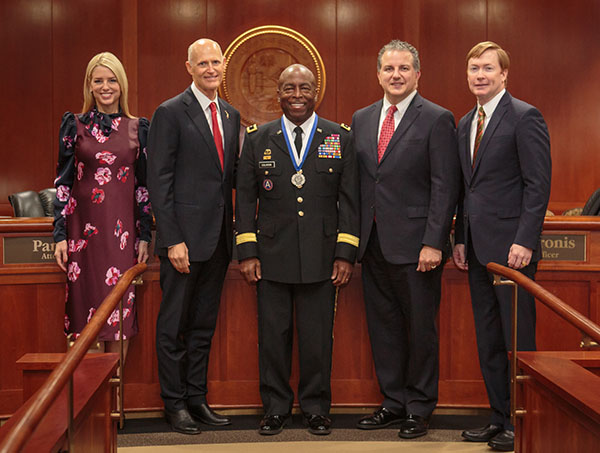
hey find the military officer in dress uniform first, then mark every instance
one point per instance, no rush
(299, 246)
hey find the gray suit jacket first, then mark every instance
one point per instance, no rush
(506, 193)
(191, 194)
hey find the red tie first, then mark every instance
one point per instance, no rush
(479, 134)
(387, 130)
(217, 132)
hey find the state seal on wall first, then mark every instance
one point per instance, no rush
(253, 63)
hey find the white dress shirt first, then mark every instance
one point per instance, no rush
(488, 108)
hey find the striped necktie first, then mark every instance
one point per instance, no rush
(480, 123)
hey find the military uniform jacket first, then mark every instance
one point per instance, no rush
(297, 232)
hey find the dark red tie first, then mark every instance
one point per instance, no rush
(216, 132)
(387, 130)
(479, 134)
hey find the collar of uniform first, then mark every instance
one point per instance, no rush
(306, 127)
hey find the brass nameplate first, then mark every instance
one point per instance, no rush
(564, 247)
(28, 249)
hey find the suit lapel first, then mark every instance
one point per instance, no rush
(499, 112)
(228, 133)
(465, 155)
(411, 114)
(194, 111)
(373, 125)
(278, 138)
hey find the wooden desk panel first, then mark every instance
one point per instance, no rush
(31, 320)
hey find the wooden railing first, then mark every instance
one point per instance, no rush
(515, 279)
(565, 311)
(62, 374)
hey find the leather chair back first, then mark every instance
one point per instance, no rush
(27, 204)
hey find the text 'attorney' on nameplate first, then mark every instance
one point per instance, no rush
(564, 247)
(28, 249)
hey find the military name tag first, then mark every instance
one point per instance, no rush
(266, 164)
(298, 179)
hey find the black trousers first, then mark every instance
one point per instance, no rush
(314, 310)
(492, 313)
(402, 306)
(185, 327)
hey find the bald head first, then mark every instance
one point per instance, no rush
(297, 92)
(205, 65)
(201, 44)
(299, 69)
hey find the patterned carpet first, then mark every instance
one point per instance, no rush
(443, 436)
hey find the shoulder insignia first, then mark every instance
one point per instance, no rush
(252, 128)
(345, 126)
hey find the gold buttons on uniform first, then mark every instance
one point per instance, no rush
(266, 172)
(301, 213)
(299, 199)
(330, 170)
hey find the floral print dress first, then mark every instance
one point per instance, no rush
(102, 210)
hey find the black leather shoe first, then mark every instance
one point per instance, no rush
(484, 434)
(381, 418)
(503, 441)
(413, 426)
(318, 424)
(203, 413)
(182, 422)
(272, 424)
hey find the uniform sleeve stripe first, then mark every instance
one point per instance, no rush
(348, 238)
(245, 237)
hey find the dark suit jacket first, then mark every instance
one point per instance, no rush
(414, 189)
(190, 193)
(507, 191)
(297, 233)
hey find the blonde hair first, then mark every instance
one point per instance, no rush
(110, 61)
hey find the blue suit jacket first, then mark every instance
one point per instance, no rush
(506, 193)
(190, 193)
(414, 189)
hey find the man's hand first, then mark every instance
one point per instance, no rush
(142, 252)
(178, 255)
(342, 271)
(519, 256)
(250, 270)
(61, 255)
(429, 259)
(459, 258)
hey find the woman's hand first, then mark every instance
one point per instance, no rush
(61, 255)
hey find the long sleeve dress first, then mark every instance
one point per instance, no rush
(103, 211)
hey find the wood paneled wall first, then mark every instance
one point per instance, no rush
(553, 45)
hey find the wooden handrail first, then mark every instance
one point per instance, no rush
(45, 396)
(565, 311)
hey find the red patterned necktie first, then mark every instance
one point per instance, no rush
(387, 130)
(216, 132)
(480, 123)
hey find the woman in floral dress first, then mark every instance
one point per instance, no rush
(102, 214)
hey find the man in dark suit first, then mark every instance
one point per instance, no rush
(504, 150)
(300, 246)
(192, 152)
(409, 171)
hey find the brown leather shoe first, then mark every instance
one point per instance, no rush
(381, 418)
